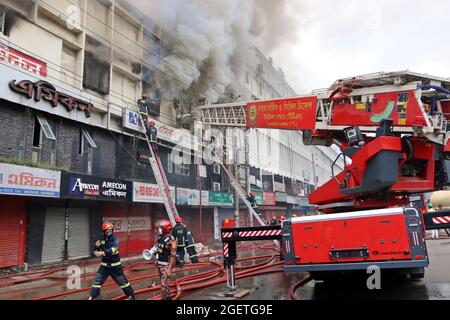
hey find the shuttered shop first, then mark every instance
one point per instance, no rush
(54, 235)
(12, 222)
(78, 244)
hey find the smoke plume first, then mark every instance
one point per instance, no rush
(210, 42)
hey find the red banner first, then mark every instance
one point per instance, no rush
(293, 113)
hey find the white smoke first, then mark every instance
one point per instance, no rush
(211, 42)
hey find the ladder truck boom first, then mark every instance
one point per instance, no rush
(394, 128)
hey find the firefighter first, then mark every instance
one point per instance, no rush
(274, 221)
(143, 106)
(190, 247)
(108, 250)
(165, 250)
(252, 200)
(180, 234)
(152, 132)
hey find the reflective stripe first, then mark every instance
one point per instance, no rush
(96, 286)
(124, 286)
(112, 264)
(192, 245)
(194, 255)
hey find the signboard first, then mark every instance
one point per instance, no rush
(220, 199)
(20, 180)
(280, 197)
(23, 61)
(97, 188)
(188, 197)
(150, 193)
(181, 137)
(293, 113)
(269, 199)
(279, 186)
(125, 224)
(45, 91)
(293, 200)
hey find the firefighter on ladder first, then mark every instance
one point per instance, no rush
(108, 250)
(165, 250)
(190, 247)
(180, 234)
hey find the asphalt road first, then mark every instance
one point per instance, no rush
(435, 285)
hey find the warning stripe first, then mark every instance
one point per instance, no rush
(441, 220)
(227, 234)
(261, 233)
(225, 249)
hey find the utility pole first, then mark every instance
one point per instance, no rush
(236, 174)
(314, 169)
(247, 169)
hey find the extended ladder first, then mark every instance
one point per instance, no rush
(160, 176)
(242, 194)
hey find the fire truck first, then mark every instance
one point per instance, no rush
(392, 129)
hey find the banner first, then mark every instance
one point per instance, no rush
(293, 113)
(150, 193)
(125, 224)
(269, 199)
(27, 181)
(220, 199)
(189, 197)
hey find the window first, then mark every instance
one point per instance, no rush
(216, 168)
(41, 127)
(182, 169)
(169, 163)
(216, 186)
(97, 68)
(85, 137)
(6, 20)
(37, 134)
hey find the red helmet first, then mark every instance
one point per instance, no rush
(252, 194)
(178, 220)
(166, 226)
(107, 225)
(151, 123)
(282, 218)
(144, 94)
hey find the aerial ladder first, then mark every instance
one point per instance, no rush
(392, 129)
(160, 176)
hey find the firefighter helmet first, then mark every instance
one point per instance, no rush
(166, 226)
(252, 194)
(107, 225)
(178, 220)
(151, 123)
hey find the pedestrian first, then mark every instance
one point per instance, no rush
(190, 247)
(108, 250)
(165, 250)
(179, 231)
(274, 221)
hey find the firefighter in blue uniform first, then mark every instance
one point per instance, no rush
(180, 234)
(165, 250)
(190, 247)
(108, 250)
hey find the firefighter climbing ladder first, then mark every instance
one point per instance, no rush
(160, 177)
(242, 194)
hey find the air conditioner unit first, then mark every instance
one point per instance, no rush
(216, 168)
(216, 186)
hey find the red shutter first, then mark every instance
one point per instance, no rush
(12, 222)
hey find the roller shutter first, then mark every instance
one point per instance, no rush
(10, 232)
(78, 243)
(53, 244)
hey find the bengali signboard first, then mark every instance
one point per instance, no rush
(293, 200)
(27, 181)
(22, 60)
(220, 199)
(280, 197)
(189, 197)
(97, 188)
(293, 113)
(150, 193)
(124, 224)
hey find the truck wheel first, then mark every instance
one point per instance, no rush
(448, 232)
